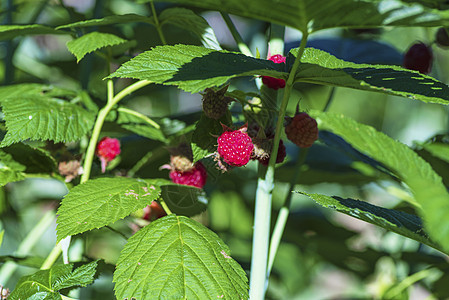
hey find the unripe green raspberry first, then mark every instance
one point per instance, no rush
(215, 103)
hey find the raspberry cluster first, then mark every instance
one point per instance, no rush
(107, 149)
(271, 82)
(263, 145)
(302, 130)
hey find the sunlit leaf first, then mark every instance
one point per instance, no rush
(45, 284)
(42, 118)
(177, 258)
(101, 202)
(91, 42)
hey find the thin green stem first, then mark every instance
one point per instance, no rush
(100, 121)
(52, 257)
(139, 115)
(236, 35)
(329, 99)
(276, 44)
(145, 159)
(407, 282)
(157, 24)
(284, 211)
(27, 244)
(164, 206)
(265, 187)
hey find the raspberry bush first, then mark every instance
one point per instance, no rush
(181, 164)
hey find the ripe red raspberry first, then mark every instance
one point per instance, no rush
(195, 177)
(271, 82)
(215, 103)
(302, 130)
(107, 149)
(419, 57)
(235, 147)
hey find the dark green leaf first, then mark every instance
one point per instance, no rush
(425, 184)
(44, 284)
(91, 42)
(195, 68)
(320, 67)
(36, 160)
(116, 19)
(184, 19)
(10, 170)
(204, 138)
(8, 32)
(42, 118)
(314, 15)
(184, 200)
(101, 202)
(177, 258)
(393, 220)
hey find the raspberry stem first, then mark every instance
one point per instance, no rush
(259, 261)
(112, 100)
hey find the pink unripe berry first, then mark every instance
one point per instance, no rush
(271, 82)
(107, 149)
(197, 176)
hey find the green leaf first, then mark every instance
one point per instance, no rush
(1, 237)
(184, 19)
(399, 222)
(204, 138)
(320, 67)
(425, 184)
(41, 118)
(140, 124)
(44, 284)
(314, 15)
(101, 202)
(10, 170)
(184, 200)
(33, 89)
(177, 258)
(194, 68)
(116, 19)
(91, 42)
(439, 150)
(36, 160)
(8, 32)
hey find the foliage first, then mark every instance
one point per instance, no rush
(74, 75)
